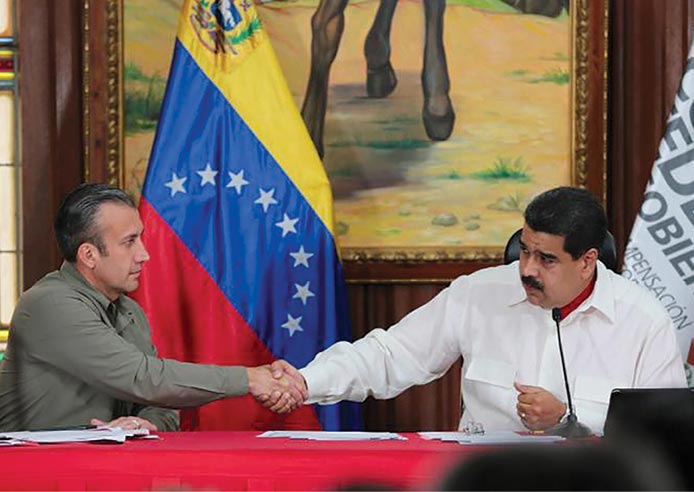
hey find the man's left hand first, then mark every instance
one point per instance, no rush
(537, 408)
(129, 422)
(274, 389)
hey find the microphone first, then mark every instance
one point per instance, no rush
(571, 427)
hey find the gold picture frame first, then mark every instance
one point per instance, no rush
(103, 87)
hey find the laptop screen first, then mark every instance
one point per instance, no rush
(648, 409)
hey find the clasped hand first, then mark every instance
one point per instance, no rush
(537, 408)
(279, 386)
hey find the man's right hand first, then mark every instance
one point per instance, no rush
(282, 368)
(275, 389)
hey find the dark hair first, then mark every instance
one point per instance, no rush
(581, 466)
(75, 222)
(573, 213)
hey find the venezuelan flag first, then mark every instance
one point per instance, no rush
(238, 219)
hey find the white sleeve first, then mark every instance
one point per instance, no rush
(418, 349)
(660, 362)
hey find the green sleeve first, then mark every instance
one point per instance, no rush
(165, 419)
(82, 345)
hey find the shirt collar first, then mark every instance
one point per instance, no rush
(76, 280)
(601, 299)
(582, 296)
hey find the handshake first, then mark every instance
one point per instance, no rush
(278, 386)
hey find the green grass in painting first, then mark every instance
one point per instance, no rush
(556, 76)
(453, 176)
(557, 57)
(389, 232)
(405, 144)
(505, 169)
(398, 120)
(143, 97)
(509, 203)
(133, 72)
(342, 172)
(490, 5)
(517, 73)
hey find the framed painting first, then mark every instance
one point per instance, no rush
(441, 119)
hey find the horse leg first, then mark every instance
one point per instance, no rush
(327, 25)
(437, 114)
(380, 77)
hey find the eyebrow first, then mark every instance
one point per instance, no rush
(129, 237)
(547, 256)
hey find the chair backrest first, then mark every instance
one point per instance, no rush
(608, 251)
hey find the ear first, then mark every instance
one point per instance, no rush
(87, 254)
(588, 262)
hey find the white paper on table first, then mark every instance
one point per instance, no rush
(336, 436)
(108, 434)
(496, 437)
(11, 442)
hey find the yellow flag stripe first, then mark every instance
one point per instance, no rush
(273, 117)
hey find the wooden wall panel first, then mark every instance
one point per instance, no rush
(50, 114)
(649, 42)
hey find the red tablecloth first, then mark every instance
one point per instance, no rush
(227, 461)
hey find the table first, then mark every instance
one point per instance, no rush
(228, 461)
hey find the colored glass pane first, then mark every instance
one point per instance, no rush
(6, 24)
(7, 134)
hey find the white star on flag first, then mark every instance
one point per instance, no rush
(266, 199)
(207, 175)
(287, 225)
(237, 181)
(176, 184)
(303, 293)
(301, 257)
(292, 324)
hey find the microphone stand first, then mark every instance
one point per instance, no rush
(571, 427)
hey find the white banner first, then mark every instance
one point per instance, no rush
(660, 252)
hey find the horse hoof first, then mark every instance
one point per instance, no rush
(438, 127)
(380, 81)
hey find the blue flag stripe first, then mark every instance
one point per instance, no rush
(244, 244)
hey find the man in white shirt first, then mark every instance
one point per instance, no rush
(614, 333)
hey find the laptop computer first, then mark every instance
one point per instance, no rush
(648, 409)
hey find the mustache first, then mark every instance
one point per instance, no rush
(532, 282)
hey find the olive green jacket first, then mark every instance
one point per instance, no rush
(73, 355)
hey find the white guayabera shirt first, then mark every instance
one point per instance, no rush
(620, 337)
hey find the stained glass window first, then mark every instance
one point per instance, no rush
(10, 250)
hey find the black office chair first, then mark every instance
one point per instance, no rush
(608, 252)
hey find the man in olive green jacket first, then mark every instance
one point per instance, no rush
(80, 351)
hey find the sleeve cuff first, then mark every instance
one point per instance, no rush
(314, 384)
(237, 381)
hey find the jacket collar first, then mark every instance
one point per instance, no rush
(73, 277)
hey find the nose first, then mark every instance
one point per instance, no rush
(529, 266)
(142, 255)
